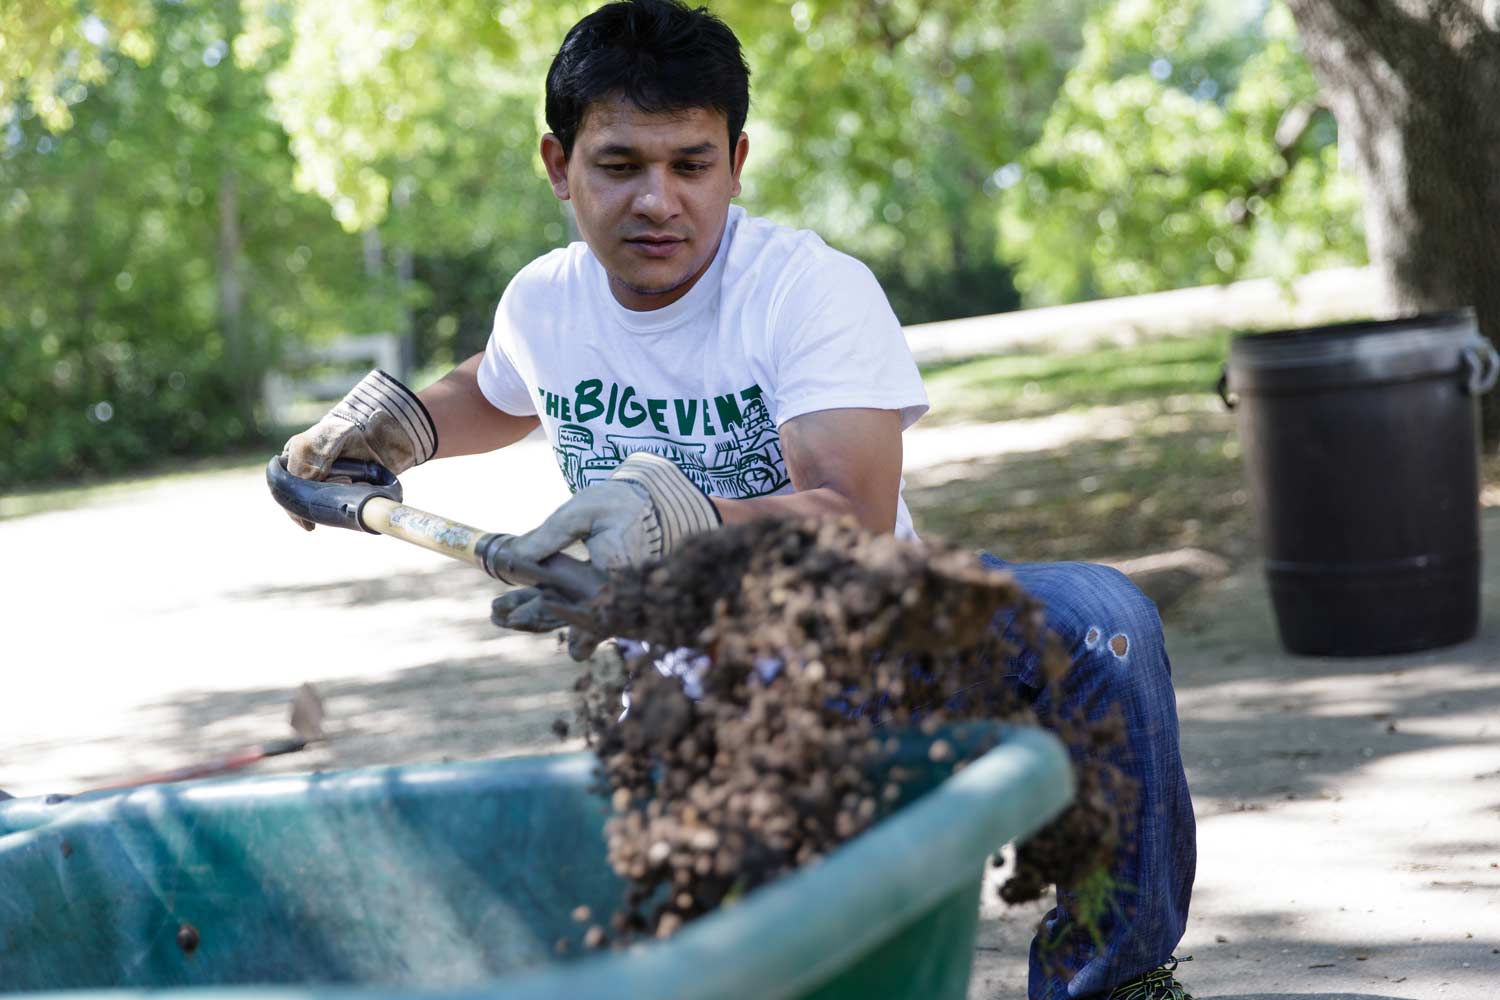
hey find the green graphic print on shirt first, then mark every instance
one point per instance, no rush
(727, 444)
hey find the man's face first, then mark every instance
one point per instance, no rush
(651, 193)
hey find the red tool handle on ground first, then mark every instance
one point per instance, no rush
(306, 721)
(207, 769)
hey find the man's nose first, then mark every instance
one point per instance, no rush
(656, 198)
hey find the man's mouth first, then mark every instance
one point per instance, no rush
(652, 245)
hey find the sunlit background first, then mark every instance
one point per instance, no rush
(192, 194)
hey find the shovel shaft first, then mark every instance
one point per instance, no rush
(367, 497)
(430, 531)
(572, 578)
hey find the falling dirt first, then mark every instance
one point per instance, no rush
(824, 641)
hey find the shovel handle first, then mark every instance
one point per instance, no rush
(334, 505)
(373, 503)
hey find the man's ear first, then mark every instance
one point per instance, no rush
(741, 151)
(556, 162)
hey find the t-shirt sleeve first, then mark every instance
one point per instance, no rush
(838, 345)
(499, 378)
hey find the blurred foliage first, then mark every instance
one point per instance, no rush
(1186, 147)
(881, 122)
(51, 53)
(190, 191)
(113, 347)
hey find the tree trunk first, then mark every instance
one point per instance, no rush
(400, 200)
(1415, 88)
(231, 291)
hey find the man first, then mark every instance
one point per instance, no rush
(692, 366)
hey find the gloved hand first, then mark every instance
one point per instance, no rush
(643, 511)
(380, 419)
(526, 609)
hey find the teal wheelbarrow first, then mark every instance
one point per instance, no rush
(468, 880)
(462, 880)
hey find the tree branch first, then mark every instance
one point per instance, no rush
(1294, 124)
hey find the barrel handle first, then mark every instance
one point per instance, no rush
(1483, 367)
(1231, 399)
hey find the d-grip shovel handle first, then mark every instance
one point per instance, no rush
(335, 505)
(373, 503)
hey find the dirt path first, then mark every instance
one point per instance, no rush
(153, 626)
(1340, 858)
(165, 624)
(1348, 813)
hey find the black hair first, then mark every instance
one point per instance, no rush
(660, 55)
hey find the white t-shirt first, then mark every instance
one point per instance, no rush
(780, 325)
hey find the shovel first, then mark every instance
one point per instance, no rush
(371, 500)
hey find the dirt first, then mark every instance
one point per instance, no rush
(823, 641)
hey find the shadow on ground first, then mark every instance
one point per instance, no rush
(1301, 748)
(453, 709)
(1270, 953)
(1301, 723)
(1300, 996)
(1093, 500)
(446, 580)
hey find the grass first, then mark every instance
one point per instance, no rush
(1006, 387)
(1173, 479)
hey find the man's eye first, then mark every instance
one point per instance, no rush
(618, 168)
(692, 168)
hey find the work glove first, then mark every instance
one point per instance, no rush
(529, 609)
(380, 419)
(642, 512)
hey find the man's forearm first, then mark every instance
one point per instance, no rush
(842, 462)
(822, 502)
(467, 423)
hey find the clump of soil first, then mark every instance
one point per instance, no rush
(822, 640)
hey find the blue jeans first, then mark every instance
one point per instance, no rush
(1113, 634)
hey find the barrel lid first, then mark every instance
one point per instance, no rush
(1352, 353)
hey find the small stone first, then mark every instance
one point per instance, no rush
(582, 914)
(939, 751)
(594, 938)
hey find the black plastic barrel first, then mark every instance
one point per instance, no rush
(1361, 447)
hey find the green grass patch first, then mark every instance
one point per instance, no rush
(1004, 387)
(1174, 480)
